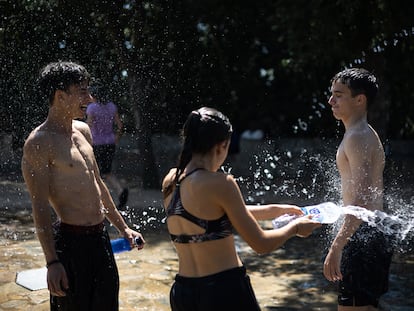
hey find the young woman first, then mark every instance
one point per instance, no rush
(204, 207)
(102, 118)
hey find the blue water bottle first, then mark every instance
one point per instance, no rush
(122, 244)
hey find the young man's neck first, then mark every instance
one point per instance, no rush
(355, 120)
(58, 124)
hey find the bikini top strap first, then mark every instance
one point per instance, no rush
(188, 174)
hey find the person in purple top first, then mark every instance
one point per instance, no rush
(103, 118)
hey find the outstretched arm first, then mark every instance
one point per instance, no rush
(245, 223)
(269, 211)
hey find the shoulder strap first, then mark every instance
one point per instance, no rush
(188, 174)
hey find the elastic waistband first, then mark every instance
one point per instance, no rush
(226, 274)
(79, 230)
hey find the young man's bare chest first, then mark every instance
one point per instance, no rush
(71, 155)
(72, 175)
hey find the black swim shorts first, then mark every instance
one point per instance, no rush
(227, 290)
(365, 267)
(86, 254)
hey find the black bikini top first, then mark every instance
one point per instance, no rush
(215, 229)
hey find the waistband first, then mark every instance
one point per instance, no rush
(226, 274)
(79, 230)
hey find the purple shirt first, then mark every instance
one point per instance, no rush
(102, 125)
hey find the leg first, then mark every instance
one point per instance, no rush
(92, 272)
(106, 279)
(104, 156)
(113, 183)
(365, 267)
(122, 193)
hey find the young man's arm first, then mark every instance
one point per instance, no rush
(112, 213)
(36, 175)
(357, 154)
(35, 169)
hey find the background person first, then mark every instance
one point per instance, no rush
(203, 206)
(106, 128)
(60, 171)
(359, 258)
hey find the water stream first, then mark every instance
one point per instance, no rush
(400, 227)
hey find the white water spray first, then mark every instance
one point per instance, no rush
(388, 224)
(328, 213)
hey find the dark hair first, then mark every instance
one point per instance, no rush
(359, 81)
(60, 76)
(203, 129)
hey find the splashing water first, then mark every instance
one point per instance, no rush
(396, 227)
(150, 218)
(392, 225)
(304, 173)
(291, 170)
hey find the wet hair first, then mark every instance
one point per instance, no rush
(359, 81)
(60, 76)
(203, 129)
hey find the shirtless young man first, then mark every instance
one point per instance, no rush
(60, 169)
(358, 258)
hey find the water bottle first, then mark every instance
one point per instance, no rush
(325, 213)
(122, 244)
(283, 220)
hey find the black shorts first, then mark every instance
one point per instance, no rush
(104, 155)
(365, 265)
(87, 256)
(227, 290)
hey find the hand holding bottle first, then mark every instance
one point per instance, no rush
(122, 244)
(305, 226)
(325, 213)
